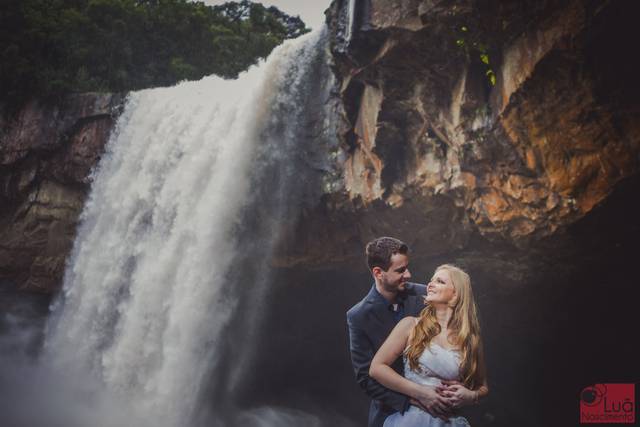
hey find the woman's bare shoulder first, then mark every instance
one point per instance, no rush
(410, 323)
(407, 323)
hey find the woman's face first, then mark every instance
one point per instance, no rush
(440, 289)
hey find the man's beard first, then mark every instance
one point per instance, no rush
(398, 287)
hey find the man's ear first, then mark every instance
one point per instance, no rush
(377, 272)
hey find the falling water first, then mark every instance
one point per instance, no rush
(185, 208)
(350, 18)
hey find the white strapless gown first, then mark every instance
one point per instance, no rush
(437, 363)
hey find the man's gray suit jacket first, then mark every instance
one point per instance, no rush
(370, 322)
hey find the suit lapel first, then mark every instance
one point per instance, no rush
(379, 314)
(380, 317)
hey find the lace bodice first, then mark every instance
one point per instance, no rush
(436, 363)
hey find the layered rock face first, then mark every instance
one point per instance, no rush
(510, 120)
(46, 156)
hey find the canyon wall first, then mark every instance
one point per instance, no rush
(47, 153)
(504, 120)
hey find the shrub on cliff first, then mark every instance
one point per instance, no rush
(48, 47)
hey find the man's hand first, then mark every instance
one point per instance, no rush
(456, 394)
(432, 402)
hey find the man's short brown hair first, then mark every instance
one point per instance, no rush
(380, 251)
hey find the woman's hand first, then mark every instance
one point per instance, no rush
(456, 394)
(433, 402)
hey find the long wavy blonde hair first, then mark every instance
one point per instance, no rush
(464, 330)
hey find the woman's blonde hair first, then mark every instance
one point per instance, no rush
(463, 326)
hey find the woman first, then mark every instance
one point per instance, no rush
(444, 366)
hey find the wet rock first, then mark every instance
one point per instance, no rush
(497, 107)
(46, 156)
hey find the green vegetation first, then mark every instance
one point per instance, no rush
(476, 50)
(49, 47)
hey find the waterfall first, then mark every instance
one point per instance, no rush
(185, 208)
(351, 11)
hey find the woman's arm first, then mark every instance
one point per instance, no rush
(382, 371)
(362, 352)
(482, 391)
(390, 350)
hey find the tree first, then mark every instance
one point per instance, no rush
(50, 47)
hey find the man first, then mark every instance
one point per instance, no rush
(371, 320)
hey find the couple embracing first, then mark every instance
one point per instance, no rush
(416, 349)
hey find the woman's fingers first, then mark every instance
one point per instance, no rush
(444, 402)
(449, 387)
(453, 400)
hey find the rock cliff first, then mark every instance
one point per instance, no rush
(509, 119)
(46, 156)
